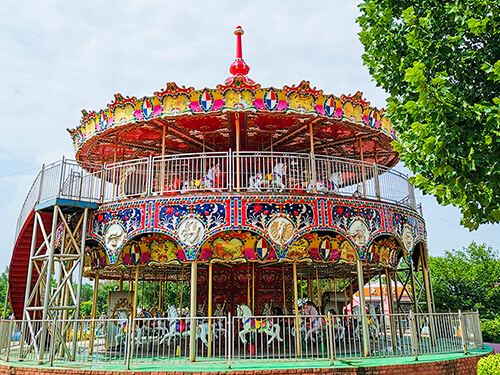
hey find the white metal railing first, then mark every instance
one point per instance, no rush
(239, 339)
(254, 172)
(66, 179)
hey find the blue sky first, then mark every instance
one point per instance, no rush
(59, 57)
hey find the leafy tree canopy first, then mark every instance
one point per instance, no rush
(467, 279)
(440, 63)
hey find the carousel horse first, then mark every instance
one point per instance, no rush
(314, 322)
(177, 327)
(150, 322)
(373, 327)
(181, 328)
(122, 327)
(338, 326)
(257, 325)
(273, 180)
(206, 183)
(331, 186)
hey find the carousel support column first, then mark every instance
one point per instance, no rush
(209, 313)
(335, 287)
(48, 277)
(391, 307)
(93, 313)
(182, 287)
(296, 308)
(363, 172)
(318, 289)
(120, 284)
(136, 287)
(428, 296)
(413, 289)
(364, 320)
(398, 305)
(162, 167)
(237, 152)
(134, 310)
(313, 161)
(192, 326)
(253, 288)
(283, 286)
(249, 280)
(382, 308)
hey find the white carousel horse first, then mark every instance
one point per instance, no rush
(177, 327)
(150, 322)
(206, 183)
(373, 327)
(315, 322)
(122, 327)
(331, 186)
(273, 180)
(257, 325)
(181, 328)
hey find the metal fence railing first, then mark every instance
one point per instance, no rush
(238, 339)
(253, 172)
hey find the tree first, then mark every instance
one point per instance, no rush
(4, 281)
(467, 279)
(440, 63)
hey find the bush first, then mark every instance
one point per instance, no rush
(489, 365)
(491, 330)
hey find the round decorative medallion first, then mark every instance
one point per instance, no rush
(271, 100)
(206, 100)
(281, 230)
(408, 237)
(261, 249)
(359, 232)
(114, 236)
(325, 249)
(191, 231)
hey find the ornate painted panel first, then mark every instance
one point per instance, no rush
(256, 228)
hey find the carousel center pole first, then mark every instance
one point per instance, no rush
(192, 327)
(364, 319)
(296, 303)
(237, 152)
(313, 161)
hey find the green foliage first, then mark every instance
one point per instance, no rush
(489, 365)
(4, 280)
(467, 279)
(440, 63)
(491, 330)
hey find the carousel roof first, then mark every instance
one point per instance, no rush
(186, 120)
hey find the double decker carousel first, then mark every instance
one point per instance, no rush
(239, 208)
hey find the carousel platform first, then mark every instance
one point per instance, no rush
(450, 363)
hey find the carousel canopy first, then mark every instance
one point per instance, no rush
(239, 115)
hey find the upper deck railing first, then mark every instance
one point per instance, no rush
(218, 172)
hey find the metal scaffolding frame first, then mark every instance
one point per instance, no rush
(58, 268)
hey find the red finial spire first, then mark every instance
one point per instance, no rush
(239, 67)
(238, 32)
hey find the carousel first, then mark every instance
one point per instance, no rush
(239, 223)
